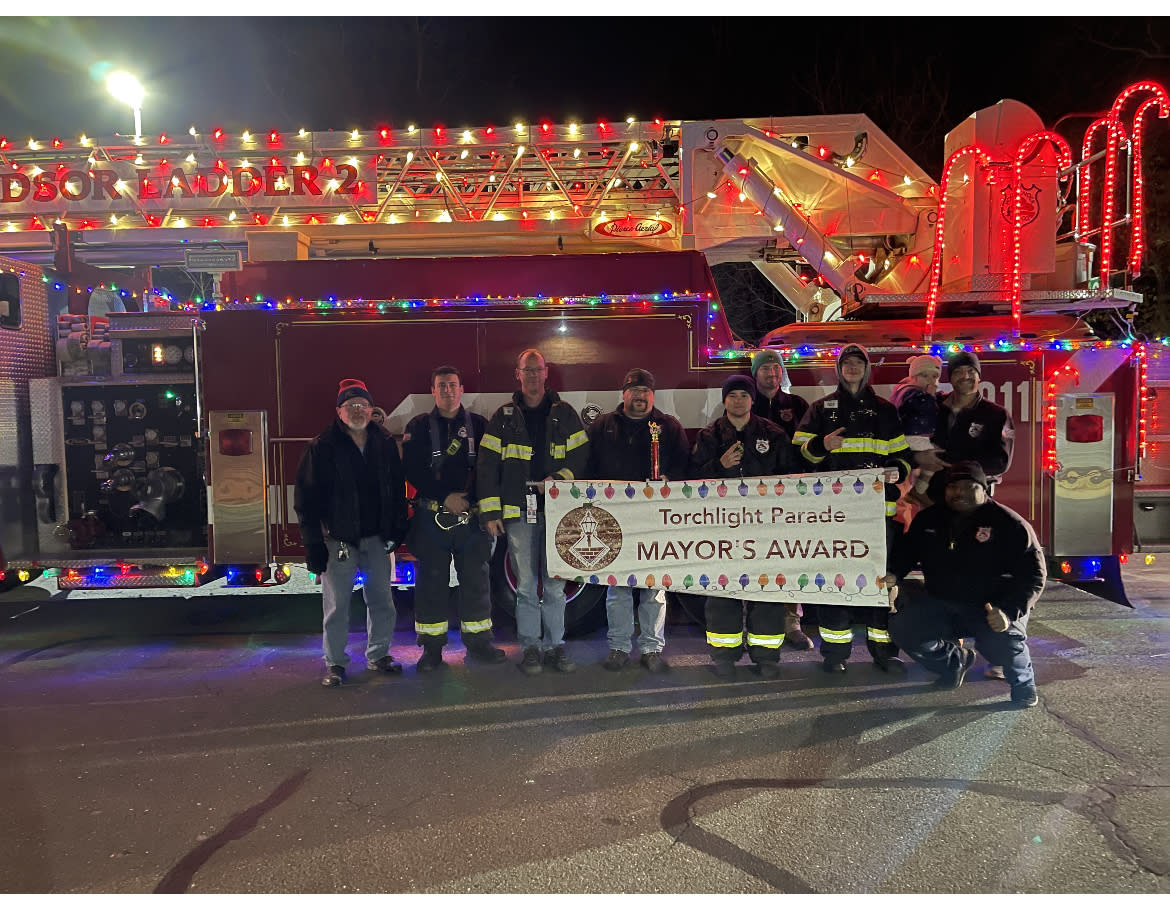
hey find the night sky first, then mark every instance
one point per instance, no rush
(915, 76)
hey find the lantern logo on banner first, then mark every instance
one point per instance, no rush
(588, 538)
(1029, 203)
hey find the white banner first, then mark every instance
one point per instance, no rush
(816, 538)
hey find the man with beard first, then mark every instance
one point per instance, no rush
(983, 570)
(350, 499)
(637, 442)
(786, 410)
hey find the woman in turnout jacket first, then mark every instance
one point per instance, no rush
(853, 429)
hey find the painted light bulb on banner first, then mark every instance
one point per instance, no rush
(609, 491)
(859, 486)
(818, 487)
(630, 490)
(820, 580)
(802, 487)
(590, 493)
(762, 489)
(553, 492)
(743, 489)
(779, 486)
(837, 487)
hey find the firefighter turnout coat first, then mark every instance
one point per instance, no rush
(505, 457)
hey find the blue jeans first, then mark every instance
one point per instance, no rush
(926, 628)
(619, 610)
(337, 589)
(535, 606)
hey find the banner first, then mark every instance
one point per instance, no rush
(815, 538)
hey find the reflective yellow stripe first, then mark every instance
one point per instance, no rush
(517, 452)
(809, 456)
(557, 452)
(431, 629)
(488, 505)
(576, 440)
(860, 446)
(837, 636)
(511, 512)
(800, 438)
(765, 641)
(475, 626)
(564, 473)
(897, 444)
(490, 442)
(876, 635)
(891, 508)
(725, 640)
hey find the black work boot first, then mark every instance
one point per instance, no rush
(432, 657)
(483, 651)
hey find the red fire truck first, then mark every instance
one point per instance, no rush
(158, 447)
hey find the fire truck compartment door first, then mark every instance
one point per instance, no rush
(237, 499)
(1082, 508)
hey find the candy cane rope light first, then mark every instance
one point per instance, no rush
(983, 158)
(1028, 148)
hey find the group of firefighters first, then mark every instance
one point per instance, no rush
(477, 481)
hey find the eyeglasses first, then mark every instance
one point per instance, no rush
(356, 406)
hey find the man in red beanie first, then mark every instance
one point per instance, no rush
(351, 502)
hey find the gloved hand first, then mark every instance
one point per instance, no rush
(317, 557)
(997, 619)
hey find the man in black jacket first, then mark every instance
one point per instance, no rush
(637, 442)
(439, 452)
(786, 410)
(736, 445)
(351, 502)
(984, 570)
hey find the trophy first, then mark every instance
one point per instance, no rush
(655, 470)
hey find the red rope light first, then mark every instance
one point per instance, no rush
(1048, 454)
(1143, 397)
(936, 262)
(1116, 133)
(1083, 189)
(1029, 146)
(1137, 242)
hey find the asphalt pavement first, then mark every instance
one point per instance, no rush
(155, 744)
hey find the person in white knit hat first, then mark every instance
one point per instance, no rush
(915, 399)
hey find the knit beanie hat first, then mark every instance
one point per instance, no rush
(762, 357)
(966, 469)
(963, 358)
(925, 363)
(739, 383)
(348, 389)
(638, 378)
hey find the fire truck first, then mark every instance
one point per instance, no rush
(147, 441)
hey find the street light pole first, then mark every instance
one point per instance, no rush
(126, 88)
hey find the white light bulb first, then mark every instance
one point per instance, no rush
(778, 227)
(466, 136)
(410, 129)
(84, 141)
(190, 158)
(463, 156)
(572, 128)
(905, 180)
(409, 155)
(342, 219)
(355, 134)
(576, 152)
(630, 120)
(742, 197)
(191, 131)
(300, 157)
(301, 134)
(284, 221)
(633, 146)
(232, 216)
(712, 195)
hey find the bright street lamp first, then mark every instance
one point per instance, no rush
(126, 88)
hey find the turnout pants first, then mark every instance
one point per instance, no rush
(928, 628)
(434, 547)
(337, 590)
(726, 636)
(835, 621)
(836, 628)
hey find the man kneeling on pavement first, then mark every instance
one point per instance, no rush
(983, 570)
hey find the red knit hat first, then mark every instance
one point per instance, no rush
(352, 388)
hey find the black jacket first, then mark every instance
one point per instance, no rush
(619, 448)
(983, 432)
(766, 450)
(457, 470)
(785, 410)
(326, 496)
(991, 556)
